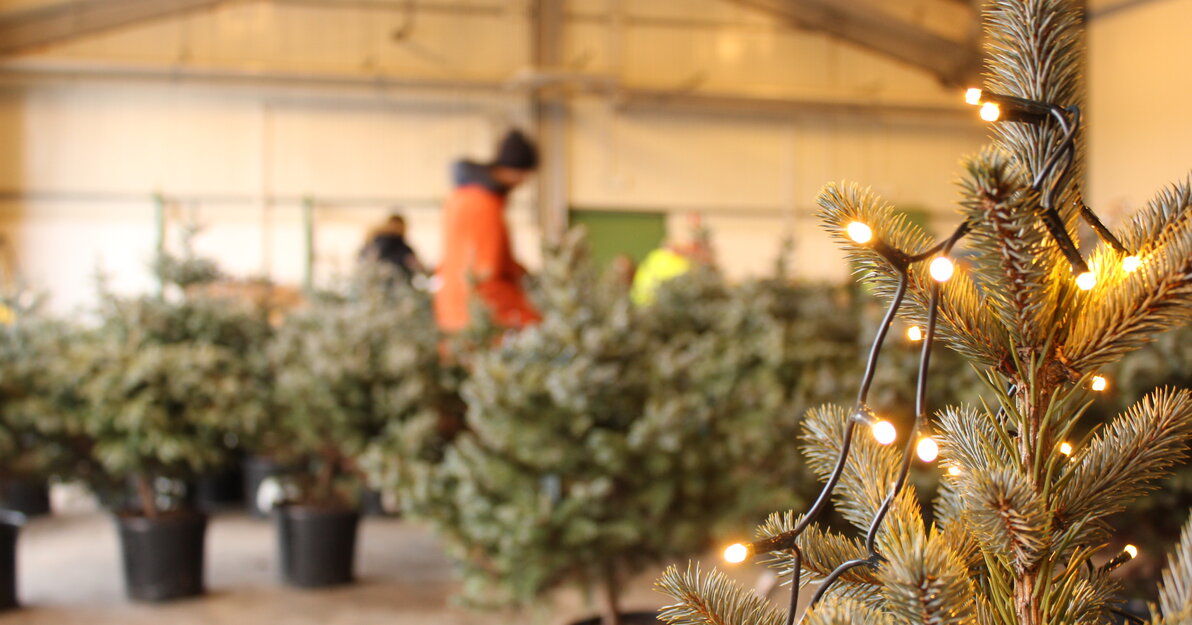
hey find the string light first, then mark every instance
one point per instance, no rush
(884, 432)
(991, 111)
(927, 449)
(859, 232)
(736, 553)
(1130, 264)
(996, 107)
(1000, 107)
(914, 334)
(1050, 180)
(1128, 553)
(1099, 383)
(941, 269)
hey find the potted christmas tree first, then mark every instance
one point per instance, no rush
(165, 379)
(349, 366)
(595, 442)
(39, 439)
(1020, 533)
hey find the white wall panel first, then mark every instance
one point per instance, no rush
(1140, 136)
(241, 158)
(666, 161)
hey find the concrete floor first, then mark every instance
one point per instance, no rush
(68, 572)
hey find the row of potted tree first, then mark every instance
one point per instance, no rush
(581, 450)
(150, 392)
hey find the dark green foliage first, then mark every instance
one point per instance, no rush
(166, 381)
(611, 436)
(40, 434)
(354, 368)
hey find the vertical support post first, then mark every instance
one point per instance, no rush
(550, 118)
(159, 223)
(159, 234)
(308, 243)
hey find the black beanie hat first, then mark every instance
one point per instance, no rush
(516, 151)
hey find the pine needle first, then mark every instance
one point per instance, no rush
(712, 599)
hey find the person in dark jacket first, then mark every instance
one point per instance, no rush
(477, 250)
(387, 243)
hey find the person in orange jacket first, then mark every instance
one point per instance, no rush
(476, 246)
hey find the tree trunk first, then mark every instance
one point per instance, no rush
(325, 481)
(1025, 603)
(146, 496)
(610, 596)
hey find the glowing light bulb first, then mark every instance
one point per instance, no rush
(1099, 383)
(953, 471)
(914, 334)
(859, 232)
(736, 553)
(1086, 280)
(884, 432)
(1131, 550)
(973, 96)
(1065, 449)
(927, 449)
(991, 112)
(941, 269)
(1130, 264)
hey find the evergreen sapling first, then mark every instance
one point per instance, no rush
(1020, 533)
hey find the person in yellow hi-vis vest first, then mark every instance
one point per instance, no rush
(670, 261)
(657, 267)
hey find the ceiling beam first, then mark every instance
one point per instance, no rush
(953, 63)
(24, 30)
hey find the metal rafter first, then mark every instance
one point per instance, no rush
(46, 25)
(954, 63)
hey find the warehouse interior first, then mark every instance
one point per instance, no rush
(240, 114)
(284, 131)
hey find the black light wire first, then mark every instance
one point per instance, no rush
(874, 558)
(900, 262)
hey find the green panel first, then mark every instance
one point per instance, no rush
(616, 232)
(920, 216)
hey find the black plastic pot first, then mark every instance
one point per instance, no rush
(10, 526)
(317, 546)
(372, 503)
(220, 491)
(257, 469)
(163, 557)
(629, 618)
(28, 497)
